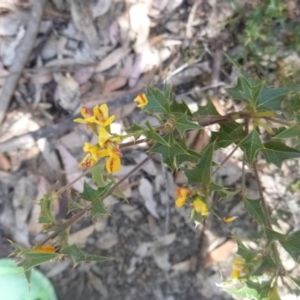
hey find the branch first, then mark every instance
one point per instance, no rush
(22, 55)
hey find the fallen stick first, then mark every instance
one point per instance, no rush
(22, 55)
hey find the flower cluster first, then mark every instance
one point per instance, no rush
(183, 194)
(107, 146)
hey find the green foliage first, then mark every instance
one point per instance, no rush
(158, 101)
(78, 256)
(254, 208)
(95, 196)
(182, 124)
(46, 215)
(201, 173)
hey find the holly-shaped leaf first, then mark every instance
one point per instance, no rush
(158, 101)
(247, 89)
(223, 192)
(201, 173)
(170, 153)
(46, 203)
(244, 251)
(254, 208)
(95, 197)
(206, 111)
(271, 98)
(78, 255)
(183, 124)
(32, 259)
(135, 130)
(291, 245)
(276, 152)
(250, 145)
(155, 137)
(179, 108)
(189, 156)
(291, 132)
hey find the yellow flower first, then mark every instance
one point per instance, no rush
(88, 117)
(183, 193)
(113, 163)
(101, 114)
(200, 207)
(45, 248)
(141, 99)
(229, 219)
(91, 158)
(238, 268)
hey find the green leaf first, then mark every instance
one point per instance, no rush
(171, 152)
(273, 235)
(135, 130)
(179, 108)
(95, 197)
(78, 255)
(73, 205)
(201, 173)
(251, 290)
(189, 156)
(254, 208)
(247, 89)
(250, 145)
(32, 259)
(155, 137)
(97, 173)
(291, 132)
(276, 152)
(46, 203)
(224, 192)
(158, 101)
(291, 245)
(206, 111)
(243, 251)
(271, 98)
(183, 124)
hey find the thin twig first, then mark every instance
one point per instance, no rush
(22, 55)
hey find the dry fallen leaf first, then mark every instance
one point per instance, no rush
(221, 253)
(67, 93)
(100, 7)
(146, 191)
(71, 168)
(79, 237)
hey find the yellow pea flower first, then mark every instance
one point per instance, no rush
(238, 268)
(88, 117)
(141, 99)
(113, 163)
(45, 248)
(183, 193)
(101, 114)
(91, 158)
(200, 206)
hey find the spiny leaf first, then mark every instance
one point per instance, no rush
(46, 215)
(243, 251)
(183, 124)
(158, 101)
(97, 173)
(201, 173)
(32, 259)
(276, 152)
(155, 137)
(135, 130)
(271, 98)
(94, 196)
(179, 108)
(250, 145)
(291, 132)
(206, 111)
(247, 89)
(291, 245)
(224, 192)
(254, 208)
(170, 153)
(78, 255)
